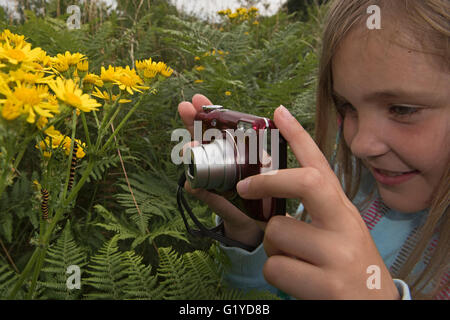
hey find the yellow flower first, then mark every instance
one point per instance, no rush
(198, 81)
(29, 100)
(200, 68)
(228, 93)
(42, 122)
(128, 80)
(70, 58)
(80, 151)
(149, 69)
(83, 66)
(233, 15)
(68, 92)
(241, 11)
(43, 58)
(93, 79)
(108, 75)
(19, 54)
(55, 140)
(197, 58)
(8, 36)
(28, 77)
(105, 96)
(167, 72)
(52, 132)
(62, 62)
(10, 111)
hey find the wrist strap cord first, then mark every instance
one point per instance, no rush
(215, 233)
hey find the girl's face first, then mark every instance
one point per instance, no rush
(397, 115)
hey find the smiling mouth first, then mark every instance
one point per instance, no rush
(393, 173)
(391, 178)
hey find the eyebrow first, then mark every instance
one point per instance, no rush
(389, 94)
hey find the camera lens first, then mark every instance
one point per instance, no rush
(212, 166)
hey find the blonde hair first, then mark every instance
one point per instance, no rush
(428, 22)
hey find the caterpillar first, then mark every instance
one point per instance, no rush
(44, 204)
(72, 167)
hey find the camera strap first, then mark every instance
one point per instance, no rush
(215, 233)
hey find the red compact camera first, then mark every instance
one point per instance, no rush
(234, 146)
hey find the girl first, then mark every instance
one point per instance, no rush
(379, 225)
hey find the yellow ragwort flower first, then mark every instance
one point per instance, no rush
(149, 69)
(29, 100)
(128, 80)
(105, 96)
(68, 92)
(62, 62)
(21, 53)
(8, 36)
(28, 77)
(83, 66)
(93, 79)
(108, 75)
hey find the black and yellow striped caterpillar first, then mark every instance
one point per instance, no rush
(44, 204)
(72, 166)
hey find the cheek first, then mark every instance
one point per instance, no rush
(349, 129)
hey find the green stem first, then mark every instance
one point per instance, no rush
(72, 142)
(66, 202)
(122, 123)
(24, 274)
(101, 131)
(36, 272)
(86, 131)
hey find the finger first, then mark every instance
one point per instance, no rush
(187, 113)
(302, 144)
(188, 110)
(321, 198)
(295, 277)
(199, 100)
(286, 236)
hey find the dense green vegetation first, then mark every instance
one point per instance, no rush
(122, 227)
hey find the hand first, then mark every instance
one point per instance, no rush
(238, 226)
(328, 258)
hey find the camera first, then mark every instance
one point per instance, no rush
(234, 146)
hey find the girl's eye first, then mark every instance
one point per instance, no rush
(403, 111)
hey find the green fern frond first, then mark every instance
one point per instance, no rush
(106, 272)
(123, 229)
(140, 283)
(63, 254)
(172, 272)
(7, 280)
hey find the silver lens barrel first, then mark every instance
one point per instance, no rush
(212, 166)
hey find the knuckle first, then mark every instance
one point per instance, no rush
(273, 227)
(335, 287)
(312, 178)
(345, 255)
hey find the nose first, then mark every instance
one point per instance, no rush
(368, 139)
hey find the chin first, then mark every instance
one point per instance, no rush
(403, 204)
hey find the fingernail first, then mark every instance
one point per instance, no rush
(242, 186)
(285, 113)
